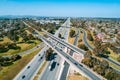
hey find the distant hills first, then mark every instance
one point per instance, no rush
(32, 16)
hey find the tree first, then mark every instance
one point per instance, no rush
(59, 35)
(82, 46)
(89, 36)
(88, 62)
(104, 64)
(97, 43)
(88, 54)
(118, 58)
(49, 54)
(15, 57)
(72, 33)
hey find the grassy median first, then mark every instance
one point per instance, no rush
(40, 70)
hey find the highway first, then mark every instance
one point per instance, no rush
(54, 74)
(30, 69)
(66, 64)
(70, 60)
(48, 74)
(74, 48)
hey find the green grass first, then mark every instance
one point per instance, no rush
(5, 40)
(24, 47)
(114, 66)
(76, 77)
(9, 72)
(113, 55)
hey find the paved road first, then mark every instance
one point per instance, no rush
(29, 70)
(65, 71)
(66, 65)
(108, 59)
(52, 75)
(70, 60)
(74, 48)
(33, 49)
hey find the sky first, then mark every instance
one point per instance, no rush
(65, 8)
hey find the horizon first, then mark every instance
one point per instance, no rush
(62, 8)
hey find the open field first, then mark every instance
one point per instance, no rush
(113, 55)
(9, 72)
(76, 77)
(24, 47)
(5, 40)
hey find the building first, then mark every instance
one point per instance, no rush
(101, 36)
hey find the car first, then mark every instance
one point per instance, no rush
(39, 55)
(75, 63)
(23, 76)
(67, 57)
(58, 64)
(80, 65)
(28, 67)
(60, 49)
(53, 65)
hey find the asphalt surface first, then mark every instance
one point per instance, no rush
(29, 70)
(65, 71)
(74, 48)
(71, 60)
(66, 65)
(53, 75)
(108, 59)
(48, 74)
(33, 49)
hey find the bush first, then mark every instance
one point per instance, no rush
(82, 46)
(89, 36)
(15, 57)
(101, 67)
(118, 58)
(2, 50)
(72, 33)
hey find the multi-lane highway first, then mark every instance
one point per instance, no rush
(74, 48)
(67, 65)
(90, 74)
(47, 74)
(72, 61)
(30, 69)
(77, 49)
